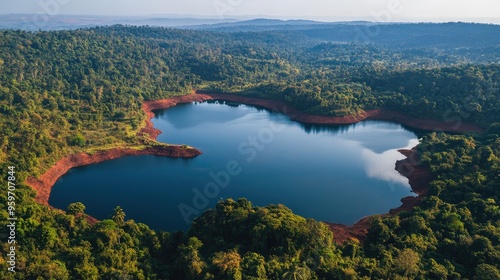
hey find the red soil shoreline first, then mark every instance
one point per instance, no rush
(149, 106)
(383, 115)
(44, 184)
(419, 177)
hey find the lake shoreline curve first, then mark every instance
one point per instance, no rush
(43, 185)
(419, 176)
(381, 114)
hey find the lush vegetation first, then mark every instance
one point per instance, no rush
(68, 91)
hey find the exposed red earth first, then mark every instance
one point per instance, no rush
(149, 106)
(43, 185)
(419, 177)
(383, 115)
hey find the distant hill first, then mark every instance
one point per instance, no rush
(62, 22)
(263, 24)
(389, 35)
(456, 35)
(267, 22)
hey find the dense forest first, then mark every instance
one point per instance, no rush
(63, 92)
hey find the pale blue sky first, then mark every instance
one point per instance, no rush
(331, 10)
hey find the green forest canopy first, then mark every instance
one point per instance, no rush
(64, 92)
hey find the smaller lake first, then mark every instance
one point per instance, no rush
(330, 173)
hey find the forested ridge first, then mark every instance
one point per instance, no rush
(63, 92)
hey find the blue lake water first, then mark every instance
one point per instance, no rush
(330, 173)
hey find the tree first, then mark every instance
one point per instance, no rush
(407, 262)
(299, 272)
(78, 140)
(486, 272)
(253, 266)
(76, 208)
(228, 264)
(189, 261)
(46, 236)
(436, 270)
(118, 216)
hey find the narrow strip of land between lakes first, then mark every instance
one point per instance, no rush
(419, 177)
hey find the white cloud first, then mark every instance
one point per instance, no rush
(382, 166)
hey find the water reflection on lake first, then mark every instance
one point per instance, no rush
(330, 173)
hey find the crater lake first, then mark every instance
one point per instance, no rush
(336, 174)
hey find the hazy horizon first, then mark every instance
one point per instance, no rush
(481, 11)
(270, 17)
